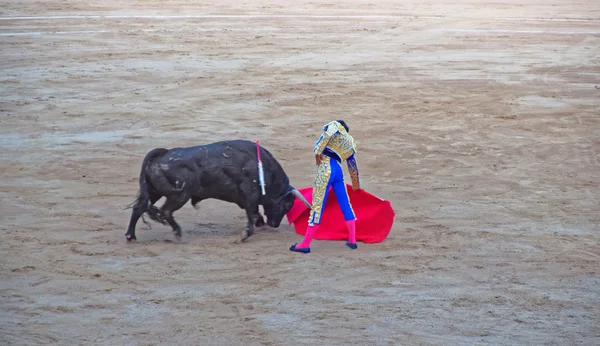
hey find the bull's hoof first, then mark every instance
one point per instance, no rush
(130, 238)
(260, 222)
(245, 235)
(177, 235)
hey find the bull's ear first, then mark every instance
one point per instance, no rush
(300, 197)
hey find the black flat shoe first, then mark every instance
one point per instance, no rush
(352, 246)
(302, 250)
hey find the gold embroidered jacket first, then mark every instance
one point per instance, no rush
(337, 139)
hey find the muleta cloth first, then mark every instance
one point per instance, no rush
(374, 216)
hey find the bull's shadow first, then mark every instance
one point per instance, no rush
(226, 171)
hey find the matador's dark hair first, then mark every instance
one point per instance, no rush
(344, 125)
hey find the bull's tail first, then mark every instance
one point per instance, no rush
(144, 195)
(142, 201)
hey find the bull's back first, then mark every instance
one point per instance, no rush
(242, 145)
(212, 158)
(216, 169)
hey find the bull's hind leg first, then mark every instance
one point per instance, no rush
(135, 216)
(172, 204)
(139, 208)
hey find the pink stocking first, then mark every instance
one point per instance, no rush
(308, 236)
(352, 231)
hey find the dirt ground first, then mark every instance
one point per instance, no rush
(478, 120)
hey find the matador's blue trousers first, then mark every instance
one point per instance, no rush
(329, 174)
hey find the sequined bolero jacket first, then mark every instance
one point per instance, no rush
(336, 139)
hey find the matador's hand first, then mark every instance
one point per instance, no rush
(318, 159)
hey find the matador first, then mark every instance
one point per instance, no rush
(334, 146)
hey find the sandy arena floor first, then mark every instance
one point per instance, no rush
(479, 121)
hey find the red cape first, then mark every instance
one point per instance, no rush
(374, 216)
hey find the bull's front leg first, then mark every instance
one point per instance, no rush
(260, 221)
(251, 220)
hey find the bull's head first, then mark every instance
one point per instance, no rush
(276, 210)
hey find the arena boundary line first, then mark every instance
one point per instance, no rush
(466, 31)
(285, 16)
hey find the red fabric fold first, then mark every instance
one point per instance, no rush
(374, 216)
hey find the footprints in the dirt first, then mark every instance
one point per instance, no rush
(29, 269)
(508, 117)
(77, 249)
(91, 250)
(27, 334)
(25, 269)
(412, 219)
(41, 282)
(58, 309)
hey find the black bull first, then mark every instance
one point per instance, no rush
(226, 171)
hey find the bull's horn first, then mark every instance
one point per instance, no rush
(299, 195)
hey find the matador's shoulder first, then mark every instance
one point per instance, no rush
(333, 127)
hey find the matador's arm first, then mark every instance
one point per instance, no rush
(353, 169)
